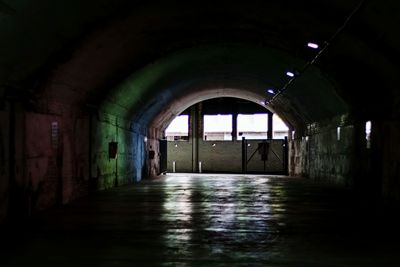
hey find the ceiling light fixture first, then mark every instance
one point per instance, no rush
(320, 52)
(271, 91)
(313, 45)
(290, 74)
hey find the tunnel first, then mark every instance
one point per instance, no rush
(88, 88)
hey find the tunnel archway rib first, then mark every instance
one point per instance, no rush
(178, 105)
(236, 70)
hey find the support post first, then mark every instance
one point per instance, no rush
(244, 155)
(194, 135)
(234, 126)
(270, 125)
(286, 157)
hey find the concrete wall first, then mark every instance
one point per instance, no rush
(152, 147)
(129, 165)
(390, 143)
(51, 161)
(180, 152)
(328, 158)
(43, 160)
(321, 156)
(224, 156)
(104, 169)
(220, 156)
(4, 164)
(62, 157)
(34, 182)
(298, 160)
(276, 157)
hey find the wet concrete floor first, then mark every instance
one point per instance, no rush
(208, 220)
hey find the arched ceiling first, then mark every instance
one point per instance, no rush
(132, 56)
(162, 119)
(215, 70)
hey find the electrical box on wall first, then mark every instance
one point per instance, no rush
(112, 150)
(152, 154)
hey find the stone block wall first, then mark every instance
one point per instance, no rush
(329, 158)
(324, 153)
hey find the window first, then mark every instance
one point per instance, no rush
(253, 126)
(368, 134)
(217, 127)
(178, 129)
(280, 129)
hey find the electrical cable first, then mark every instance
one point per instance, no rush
(320, 52)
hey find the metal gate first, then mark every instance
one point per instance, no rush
(265, 156)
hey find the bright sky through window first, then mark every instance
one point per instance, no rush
(279, 125)
(179, 125)
(218, 127)
(252, 126)
(256, 123)
(253, 122)
(217, 123)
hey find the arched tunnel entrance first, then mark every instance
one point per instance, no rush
(192, 75)
(226, 135)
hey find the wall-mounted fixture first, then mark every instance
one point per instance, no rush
(112, 150)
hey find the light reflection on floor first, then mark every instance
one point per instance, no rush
(198, 220)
